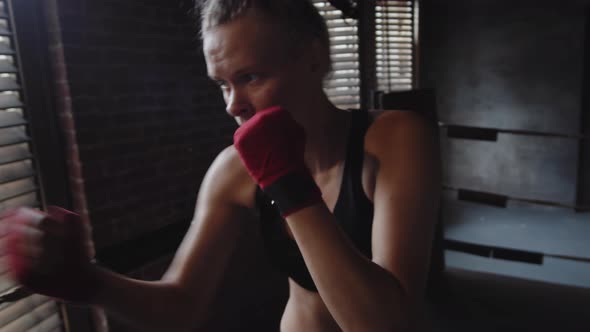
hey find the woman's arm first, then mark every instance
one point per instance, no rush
(380, 295)
(50, 252)
(179, 301)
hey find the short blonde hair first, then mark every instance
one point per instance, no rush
(302, 21)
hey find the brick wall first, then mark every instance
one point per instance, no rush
(147, 120)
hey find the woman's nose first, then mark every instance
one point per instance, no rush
(237, 104)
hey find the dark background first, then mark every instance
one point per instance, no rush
(141, 122)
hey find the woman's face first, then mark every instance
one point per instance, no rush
(248, 58)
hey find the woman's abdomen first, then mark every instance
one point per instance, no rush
(305, 311)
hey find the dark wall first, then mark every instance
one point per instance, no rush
(147, 120)
(584, 189)
(510, 65)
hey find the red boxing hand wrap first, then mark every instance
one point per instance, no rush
(70, 277)
(271, 145)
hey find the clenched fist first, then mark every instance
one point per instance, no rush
(271, 145)
(50, 253)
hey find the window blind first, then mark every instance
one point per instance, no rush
(18, 181)
(395, 44)
(394, 38)
(343, 84)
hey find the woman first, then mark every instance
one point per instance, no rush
(347, 201)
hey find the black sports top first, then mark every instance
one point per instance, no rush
(353, 211)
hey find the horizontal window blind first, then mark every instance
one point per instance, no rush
(394, 38)
(18, 181)
(343, 84)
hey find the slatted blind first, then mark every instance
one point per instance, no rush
(18, 182)
(343, 84)
(395, 37)
(395, 45)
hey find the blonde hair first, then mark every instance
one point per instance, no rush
(301, 20)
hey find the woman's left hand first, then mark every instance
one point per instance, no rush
(271, 145)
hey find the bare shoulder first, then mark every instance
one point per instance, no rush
(228, 180)
(390, 129)
(221, 217)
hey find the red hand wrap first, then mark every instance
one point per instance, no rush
(271, 145)
(70, 278)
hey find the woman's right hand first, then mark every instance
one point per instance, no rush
(50, 253)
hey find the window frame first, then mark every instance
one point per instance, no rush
(38, 86)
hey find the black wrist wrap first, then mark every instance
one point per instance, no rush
(293, 192)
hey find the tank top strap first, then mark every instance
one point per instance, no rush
(356, 149)
(353, 209)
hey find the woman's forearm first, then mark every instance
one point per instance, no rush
(361, 295)
(149, 305)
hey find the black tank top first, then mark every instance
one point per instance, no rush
(353, 211)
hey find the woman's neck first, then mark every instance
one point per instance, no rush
(326, 137)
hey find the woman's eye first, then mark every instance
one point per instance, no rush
(250, 78)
